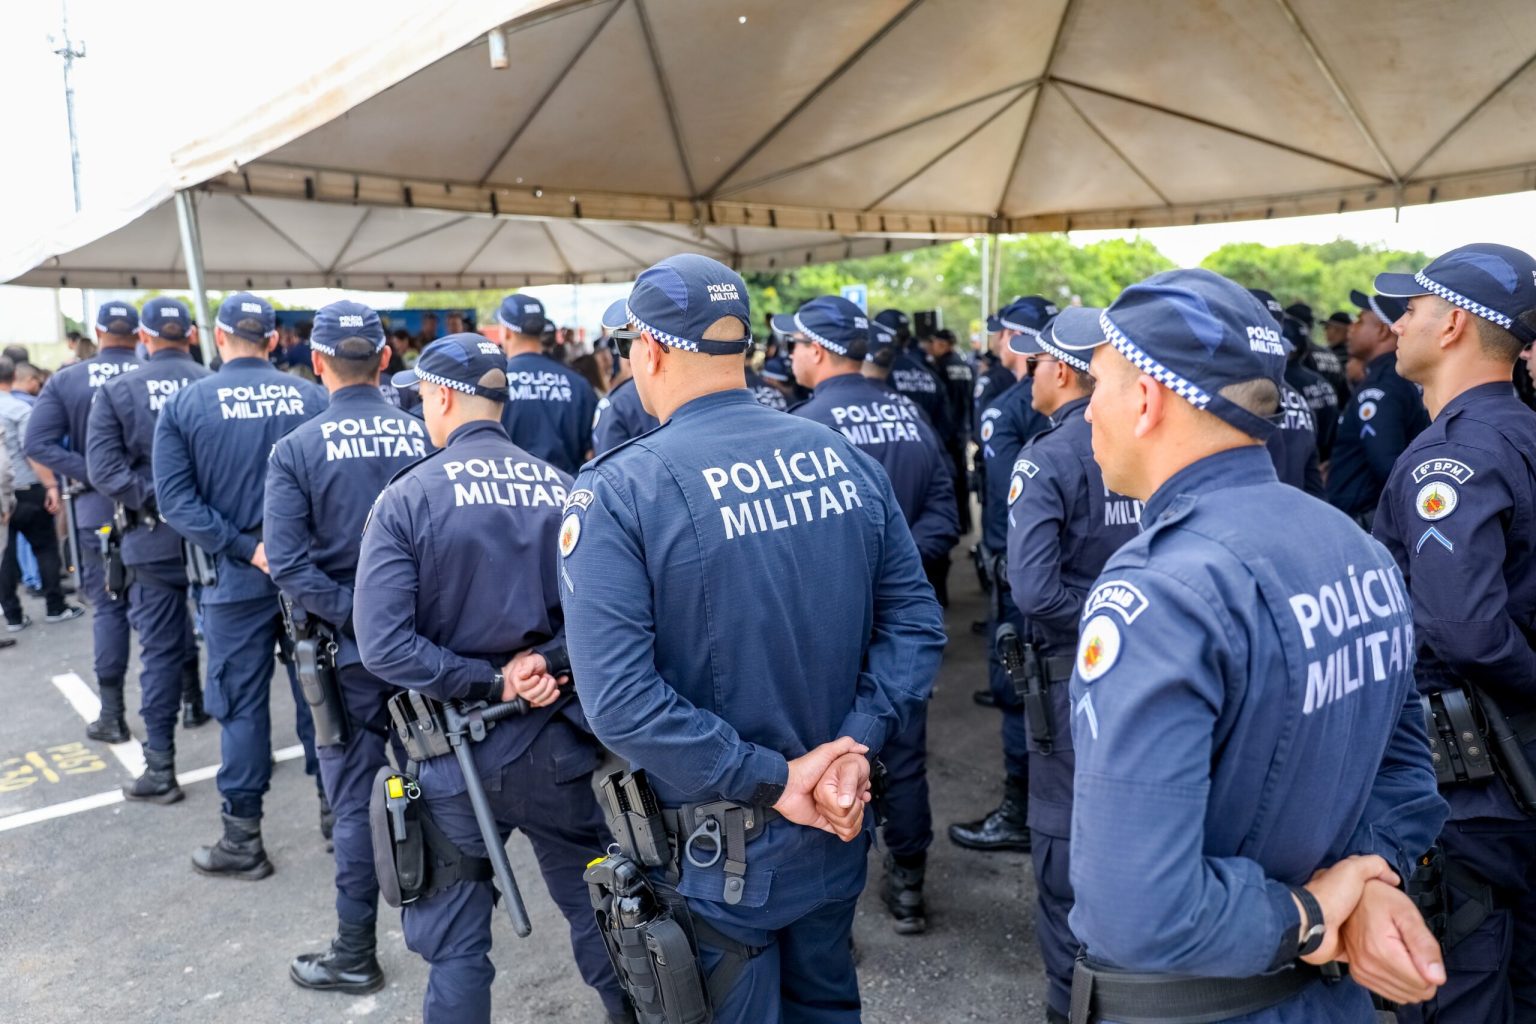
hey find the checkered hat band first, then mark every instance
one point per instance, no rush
(1457, 299)
(1020, 328)
(841, 350)
(1376, 308)
(1075, 361)
(660, 335)
(1164, 376)
(457, 385)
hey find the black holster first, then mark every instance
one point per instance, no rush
(651, 941)
(314, 646)
(1471, 739)
(1026, 669)
(116, 572)
(411, 856)
(202, 570)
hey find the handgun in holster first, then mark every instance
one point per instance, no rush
(202, 570)
(115, 570)
(1426, 887)
(1026, 670)
(651, 942)
(313, 645)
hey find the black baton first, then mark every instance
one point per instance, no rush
(461, 727)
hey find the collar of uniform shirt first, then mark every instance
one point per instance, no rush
(1381, 362)
(363, 392)
(1235, 467)
(1067, 409)
(246, 362)
(171, 353)
(1481, 393)
(842, 380)
(474, 427)
(705, 404)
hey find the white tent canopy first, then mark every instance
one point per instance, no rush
(906, 118)
(256, 242)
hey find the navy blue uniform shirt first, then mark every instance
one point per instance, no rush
(959, 385)
(990, 384)
(1322, 401)
(1243, 714)
(889, 427)
(1063, 524)
(211, 448)
(690, 553)
(1459, 515)
(120, 451)
(620, 417)
(457, 574)
(1380, 418)
(1006, 426)
(550, 412)
(913, 378)
(58, 430)
(766, 394)
(321, 481)
(1293, 447)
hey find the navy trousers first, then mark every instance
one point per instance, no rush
(909, 819)
(158, 612)
(109, 618)
(242, 645)
(347, 772)
(1491, 974)
(547, 793)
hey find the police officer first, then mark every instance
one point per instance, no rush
(1459, 515)
(676, 547)
(321, 480)
(1380, 418)
(960, 384)
(766, 394)
(1321, 399)
(830, 345)
(1243, 711)
(620, 416)
(56, 437)
(119, 457)
(210, 472)
(1063, 524)
(1294, 443)
(456, 598)
(550, 412)
(1006, 426)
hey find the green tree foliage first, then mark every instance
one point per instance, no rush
(1319, 275)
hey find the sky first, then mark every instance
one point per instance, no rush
(158, 73)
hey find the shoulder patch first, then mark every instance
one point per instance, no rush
(1098, 648)
(570, 533)
(1026, 467)
(581, 498)
(1367, 411)
(1371, 394)
(1457, 471)
(987, 428)
(1119, 596)
(1436, 500)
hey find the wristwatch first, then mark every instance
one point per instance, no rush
(1313, 928)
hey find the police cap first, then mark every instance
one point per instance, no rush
(1495, 282)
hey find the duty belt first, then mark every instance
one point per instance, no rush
(1100, 993)
(704, 833)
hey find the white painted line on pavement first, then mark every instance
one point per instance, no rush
(90, 803)
(88, 706)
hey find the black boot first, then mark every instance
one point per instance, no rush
(348, 966)
(327, 822)
(158, 783)
(1006, 828)
(110, 726)
(903, 892)
(192, 713)
(237, 854)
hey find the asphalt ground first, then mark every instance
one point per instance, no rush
(103, 919)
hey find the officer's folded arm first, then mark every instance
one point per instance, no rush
(180, 503)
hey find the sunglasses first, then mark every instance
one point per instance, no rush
(1032, 362)
(623, 339)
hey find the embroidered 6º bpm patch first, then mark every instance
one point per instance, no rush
(1099, 648)
(1436, 500)
(570, 533)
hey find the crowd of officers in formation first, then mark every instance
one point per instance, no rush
(1219, 695)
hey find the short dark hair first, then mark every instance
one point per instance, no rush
(1498, 343)
(1259, 396)
(355, 362)
(1084, 379)
(16, 353)
(7, 370)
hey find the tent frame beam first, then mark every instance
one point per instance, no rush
(947, 150)
(667, 99)
(1111, 144)
(1469, 115)
(1034, 111)
(1340, 93)
(816, 91)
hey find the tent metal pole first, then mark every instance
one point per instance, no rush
(997, 270)
(192, 255)
(986, 285)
